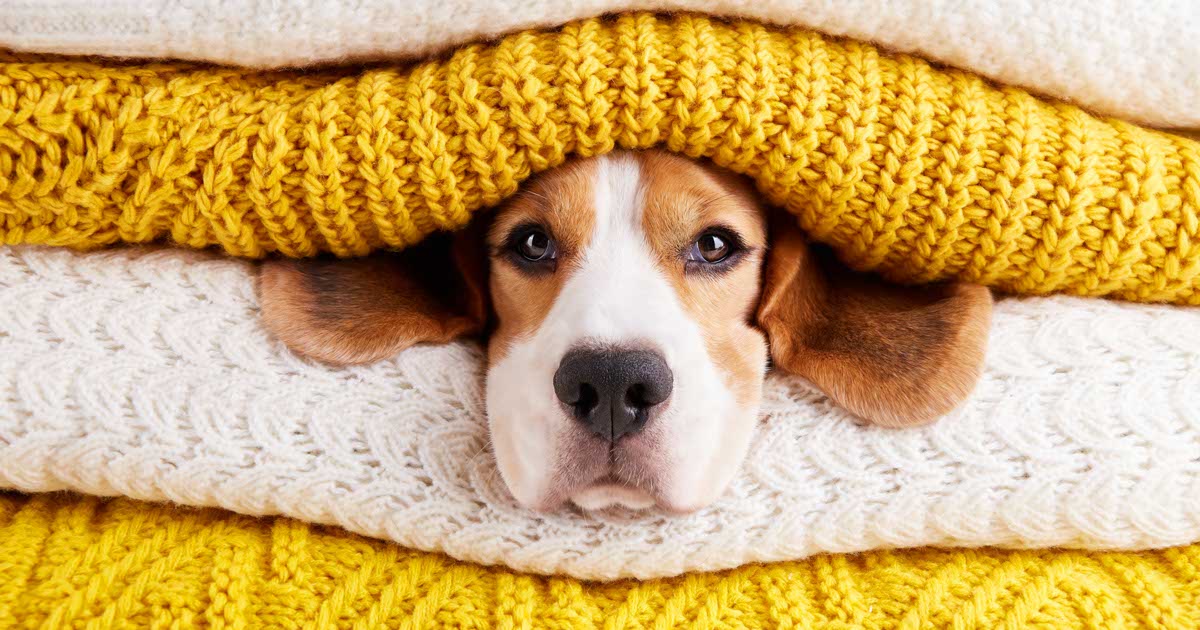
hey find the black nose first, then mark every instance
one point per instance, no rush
(612, 392)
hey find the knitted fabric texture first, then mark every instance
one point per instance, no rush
(1088, 52)
(149, 375)
(917, 172)
(83, 562)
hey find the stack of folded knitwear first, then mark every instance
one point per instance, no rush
(214, 480)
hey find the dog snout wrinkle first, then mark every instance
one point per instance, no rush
(613, 392)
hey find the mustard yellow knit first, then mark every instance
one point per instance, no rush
(916, 171)
(73, 562)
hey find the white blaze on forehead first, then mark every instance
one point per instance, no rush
(616, 294)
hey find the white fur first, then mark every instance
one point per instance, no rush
(617, 295)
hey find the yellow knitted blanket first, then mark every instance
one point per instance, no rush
(68, 561)
(918, 172)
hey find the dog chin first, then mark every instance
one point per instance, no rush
(607, 494)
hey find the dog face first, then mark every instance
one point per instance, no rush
(633, 301)
(625, 366)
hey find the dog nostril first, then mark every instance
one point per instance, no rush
(635, 396)
(643, 396)
(639, 397)
(587, 401)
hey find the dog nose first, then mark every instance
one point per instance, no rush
(613, 392)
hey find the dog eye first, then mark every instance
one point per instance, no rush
(535, 245)
(711, 247)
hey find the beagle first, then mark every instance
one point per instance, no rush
(631, 302)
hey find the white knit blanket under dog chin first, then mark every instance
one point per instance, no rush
(147, 374)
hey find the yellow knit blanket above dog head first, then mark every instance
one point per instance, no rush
(917, 172)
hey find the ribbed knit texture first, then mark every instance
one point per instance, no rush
(918, 172)
(85, 562)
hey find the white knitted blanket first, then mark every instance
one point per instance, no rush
(147, 374)
(1136, 60)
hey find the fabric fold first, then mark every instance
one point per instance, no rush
(148, 374)
(913, 171)
(145, 564)
(1133, 63)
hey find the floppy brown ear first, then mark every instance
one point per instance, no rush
(895, 356)
(367, 309)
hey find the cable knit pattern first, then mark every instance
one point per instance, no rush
(1139, 65)
(917, 172)
(72, 562)
(148, 375)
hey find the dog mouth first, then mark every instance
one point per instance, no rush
(599, 474)
(623, 474)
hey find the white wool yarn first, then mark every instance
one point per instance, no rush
(1131, 60)
(146, 373)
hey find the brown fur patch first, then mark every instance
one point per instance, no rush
(895, 356)
(363, 310)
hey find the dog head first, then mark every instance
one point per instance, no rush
(632, 303)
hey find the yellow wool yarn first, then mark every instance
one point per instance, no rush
(75, 562)
(919, 172)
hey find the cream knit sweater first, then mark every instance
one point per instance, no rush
(149, 375)
(1136, 60)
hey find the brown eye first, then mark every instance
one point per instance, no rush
(535, 245)
(712, 247)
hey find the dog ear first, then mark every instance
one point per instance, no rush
(361, 310)
(895, 356)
